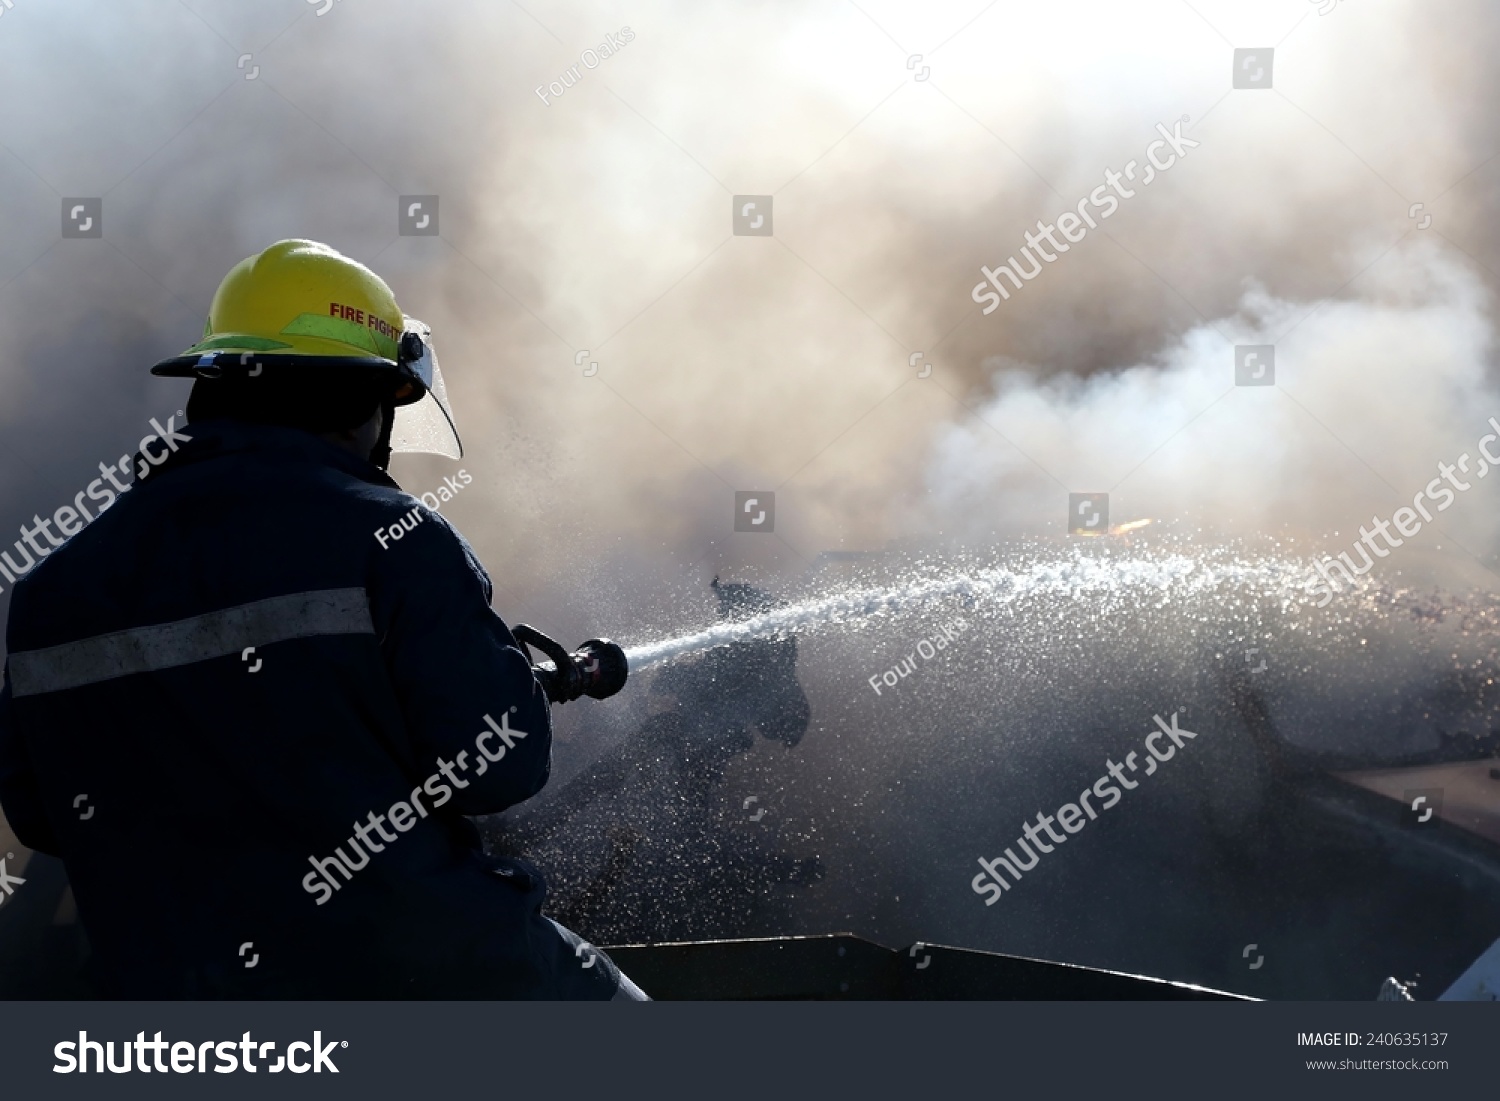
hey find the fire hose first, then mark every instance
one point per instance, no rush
(597, 668)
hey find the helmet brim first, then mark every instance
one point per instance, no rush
(247, 364)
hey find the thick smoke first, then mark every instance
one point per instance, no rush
(1372, 394)
(599, 223)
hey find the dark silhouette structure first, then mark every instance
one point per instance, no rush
(648, 844)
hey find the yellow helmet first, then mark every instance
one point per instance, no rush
(302, 306)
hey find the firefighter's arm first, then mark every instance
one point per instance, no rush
(478, 719)
(19, 798)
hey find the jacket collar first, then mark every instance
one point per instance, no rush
(219, 438)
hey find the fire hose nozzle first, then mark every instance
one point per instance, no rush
(598, 668)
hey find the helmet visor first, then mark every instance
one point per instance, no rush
(426, 425)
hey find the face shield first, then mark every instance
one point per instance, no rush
(425, 425)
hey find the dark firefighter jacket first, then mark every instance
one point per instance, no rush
(253, 733)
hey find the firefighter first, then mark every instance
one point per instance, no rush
(253, 731)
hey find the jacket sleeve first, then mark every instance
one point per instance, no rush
(467, 692)
(19, 797)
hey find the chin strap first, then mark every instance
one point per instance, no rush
(380, 454)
